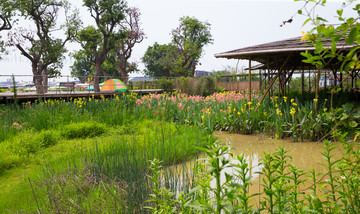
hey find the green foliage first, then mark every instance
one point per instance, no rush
(157, 61)
(328, 192)
(82, 188)
(44, 50)
(186, 85)
(98, 42)
(190, 37)
(127, 156)
(166, 84)
(17, 150)
(180, 57)
(205, 86)
(83, 130)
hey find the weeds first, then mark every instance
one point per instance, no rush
(335, 191)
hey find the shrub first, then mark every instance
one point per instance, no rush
(166, 84)
(46, 138)
(8, 159)
(83, 130)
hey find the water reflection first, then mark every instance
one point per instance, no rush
(305, 155)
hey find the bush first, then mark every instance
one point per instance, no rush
(166, 84)
(46, 139)
(186, 85)
(83, 130)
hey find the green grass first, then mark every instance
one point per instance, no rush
(122, 152)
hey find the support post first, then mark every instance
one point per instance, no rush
(260, 79)
(249, 78)
(317, 88)
(273, 80)
(302, 82)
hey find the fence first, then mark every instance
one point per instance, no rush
(200, 85)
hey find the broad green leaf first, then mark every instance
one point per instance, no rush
(340, 12)
(336, 209)
(353, 124)
(352, 36)
(333, 47)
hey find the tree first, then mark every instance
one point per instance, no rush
(84, 66)
(43, 49)
(133, 35)
(190, 37)
(108, 15)
(155, 60)
(347, 29)
(6, 12)
(181, 56)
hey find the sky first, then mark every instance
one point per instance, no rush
(234, 24)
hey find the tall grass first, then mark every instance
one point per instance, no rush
(107, 169)
(127, 159)
(286, 188)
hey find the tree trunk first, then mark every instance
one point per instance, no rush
(37, 79)
(124, 78)
(44, 76)
(96, 76)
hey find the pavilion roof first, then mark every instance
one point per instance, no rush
(274, 54)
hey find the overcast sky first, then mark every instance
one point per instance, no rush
(234, 24)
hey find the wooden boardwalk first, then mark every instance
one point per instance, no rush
(27, 96)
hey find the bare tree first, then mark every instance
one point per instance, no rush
(134, 34)
(39, 46)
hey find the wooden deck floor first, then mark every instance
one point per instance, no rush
(25, 96)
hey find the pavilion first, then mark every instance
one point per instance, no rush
(283, 58)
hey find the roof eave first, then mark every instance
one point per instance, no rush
(244, 55)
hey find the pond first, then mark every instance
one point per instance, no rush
(305, 155)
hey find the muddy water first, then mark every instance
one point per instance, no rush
(305, 155)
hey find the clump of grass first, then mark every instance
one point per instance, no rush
(77, 190)
(83, 130)
(17, 150)
(128, 156)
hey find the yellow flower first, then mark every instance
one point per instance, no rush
(249, 103)
(305, 37)
(315, 100)
(310, 113)
(276, 105)
(202, 117)
(278, 112)
(265, 113)
(325, 109)
(294, 104)
(285, 98)
(238, 113)
(292, 111)
(292, 100)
